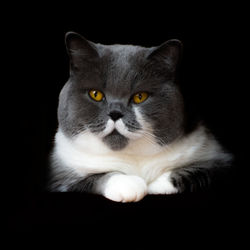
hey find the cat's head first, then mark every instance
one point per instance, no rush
(120, 93)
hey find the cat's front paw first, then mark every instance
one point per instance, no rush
(162, 185)
(125, 188)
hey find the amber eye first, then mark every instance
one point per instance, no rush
(96, 95)
(140, 97)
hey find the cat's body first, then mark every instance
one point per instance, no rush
(133, 139)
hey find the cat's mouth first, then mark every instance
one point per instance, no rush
(116, 134)
(118, 127)
(115, 140)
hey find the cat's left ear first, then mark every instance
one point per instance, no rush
(80, 50)
(168, 52)
(77, 44)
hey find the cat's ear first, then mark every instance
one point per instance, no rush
(168, 52)
(79, 49)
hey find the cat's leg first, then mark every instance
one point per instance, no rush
(123, 188)
(200, 175)
(162, 185)
(190, 178)
(114, 186)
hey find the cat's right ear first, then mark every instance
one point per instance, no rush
(169, 53)
(79, 49)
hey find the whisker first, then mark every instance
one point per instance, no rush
(150, 137)
(148, 132)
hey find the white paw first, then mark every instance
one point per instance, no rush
(125, 188)
(162, 185)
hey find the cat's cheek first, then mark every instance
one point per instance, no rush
(125, 188)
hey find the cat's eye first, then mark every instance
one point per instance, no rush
(96, 95)
(140, 97)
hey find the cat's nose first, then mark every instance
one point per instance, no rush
(115, 115)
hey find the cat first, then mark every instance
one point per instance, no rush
(123, 128)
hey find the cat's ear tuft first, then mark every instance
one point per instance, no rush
(169, 52)
(77, 45)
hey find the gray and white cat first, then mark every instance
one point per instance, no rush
(122, 126)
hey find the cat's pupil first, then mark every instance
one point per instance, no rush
(140, 96)
(95, 93)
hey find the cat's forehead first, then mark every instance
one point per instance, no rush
(121, 64)
(118, 51)
(122, 57)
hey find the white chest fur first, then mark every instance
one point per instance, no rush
(87, 154)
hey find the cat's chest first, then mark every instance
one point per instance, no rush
(88, 155)
(148, 167)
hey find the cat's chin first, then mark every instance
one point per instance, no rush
(115, 141)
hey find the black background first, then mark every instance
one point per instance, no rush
(215, 42)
